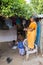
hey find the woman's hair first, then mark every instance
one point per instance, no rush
(36, 19)
(33, 17)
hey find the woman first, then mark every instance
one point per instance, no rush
(31, 33)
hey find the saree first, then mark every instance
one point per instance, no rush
(31, 35)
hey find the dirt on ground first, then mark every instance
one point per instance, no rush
(20, 60)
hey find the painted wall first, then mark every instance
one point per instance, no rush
(8, 35)
(41, 39)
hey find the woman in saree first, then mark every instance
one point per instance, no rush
(31, 33)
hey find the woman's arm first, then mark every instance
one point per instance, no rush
(30, 29)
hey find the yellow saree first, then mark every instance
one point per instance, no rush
(31, 34)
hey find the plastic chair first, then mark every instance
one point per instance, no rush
(28, 51)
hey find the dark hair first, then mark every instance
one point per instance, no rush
(34, 17)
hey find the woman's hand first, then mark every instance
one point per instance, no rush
(25, 29)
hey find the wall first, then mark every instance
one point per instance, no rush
(8, 35)
(41, 39)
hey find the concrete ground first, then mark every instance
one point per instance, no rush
(20, 60)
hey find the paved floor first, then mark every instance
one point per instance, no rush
(20, 60)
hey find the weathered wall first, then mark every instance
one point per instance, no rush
(8, 35)
(41, 39)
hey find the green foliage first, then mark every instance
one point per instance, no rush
(38, 6)
(20, 8)
(15, 7)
